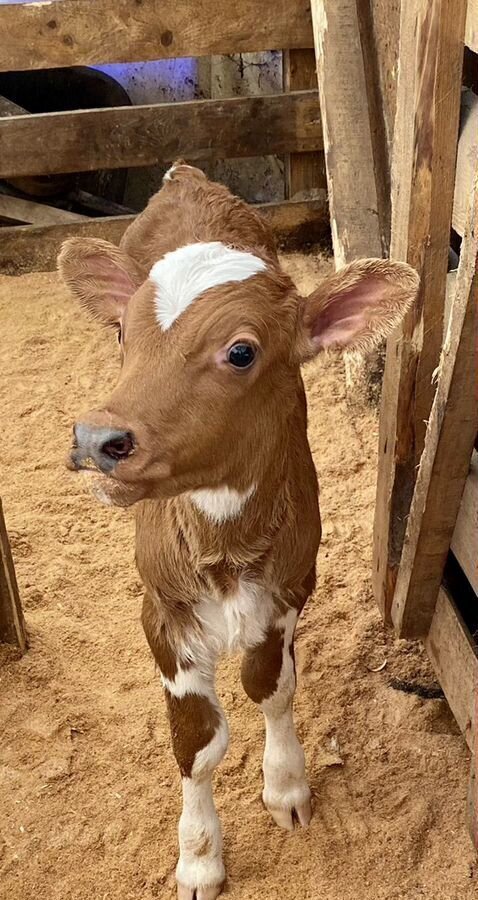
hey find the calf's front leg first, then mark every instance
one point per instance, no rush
(268, 676)
(199, 736)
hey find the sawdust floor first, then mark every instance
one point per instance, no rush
(89, 794)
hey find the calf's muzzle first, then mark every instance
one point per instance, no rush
(101, 446)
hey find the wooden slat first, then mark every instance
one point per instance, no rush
(445, 461)
(423, 170)
(303, 171)
(80, 32)
(465, 536)
(467, 159)
(351, 163)
(125, 136)
(346, 131)
(9, 108)
(30, 249)
(454, 659)
(35, 213)
(472, 25)
(12, 624)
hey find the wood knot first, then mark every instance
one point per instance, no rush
(167, 38)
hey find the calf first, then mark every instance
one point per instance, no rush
(206, 433)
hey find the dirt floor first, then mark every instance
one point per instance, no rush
(89, 793)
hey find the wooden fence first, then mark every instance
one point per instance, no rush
(78, 32)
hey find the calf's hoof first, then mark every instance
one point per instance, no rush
(285, 816)
(202, 893)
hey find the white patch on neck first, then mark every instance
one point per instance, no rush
(220, 504)
(181, 276)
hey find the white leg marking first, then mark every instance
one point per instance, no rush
(285, 785)
(200, 869)
(200, 865)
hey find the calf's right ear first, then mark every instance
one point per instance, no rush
(101, 276)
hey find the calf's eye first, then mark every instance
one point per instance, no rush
(241, 355)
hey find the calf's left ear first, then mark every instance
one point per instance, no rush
(358, 306)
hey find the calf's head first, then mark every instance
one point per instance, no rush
(211, 346)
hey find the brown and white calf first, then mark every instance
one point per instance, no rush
(206, 433)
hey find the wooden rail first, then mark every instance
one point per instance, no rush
(29, 249)
(125, 136)
(472, 26)
(465, 537)
(455, 661)
(12, 623)
(56, 33)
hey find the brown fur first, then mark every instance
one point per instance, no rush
(197, 425)
(193, 721)
(261, 666)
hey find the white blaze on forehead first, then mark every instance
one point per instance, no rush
(181, 276)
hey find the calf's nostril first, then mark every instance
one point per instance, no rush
(119, 446)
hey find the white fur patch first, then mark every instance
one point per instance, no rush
(199, 831)
(285, 784)
(168, 176)
(220, 504)
(236, 622)
(181, 276)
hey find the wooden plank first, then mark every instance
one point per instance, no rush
(356, 215)
(445, 461)
(303, 172)
(12, 623)
(454, 659)
(81, 32)
(119, 137)
(472, 25)
(346, 131)
(35, 213)
(100, 206)
(9, 108)
(31, 249)
(423, 170)
(465, 536)
(466, 160)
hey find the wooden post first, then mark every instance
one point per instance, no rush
(445, 461)
(423, 174)
(304, 172)
(12, 624)
(351, 163)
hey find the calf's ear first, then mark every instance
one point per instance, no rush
(101, 276)
(358, 306)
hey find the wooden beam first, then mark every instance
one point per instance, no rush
(445, 460)
(35, 213)
(466, 160)
(465, 536)
(12, 624)
(119, 137)
(453, 656)
(471, 37)
(346, 131)
(32, 249)
(9, 108)
(303, 172)
(81, 32)
(351, 163)
(99, 206)
(423, 171)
